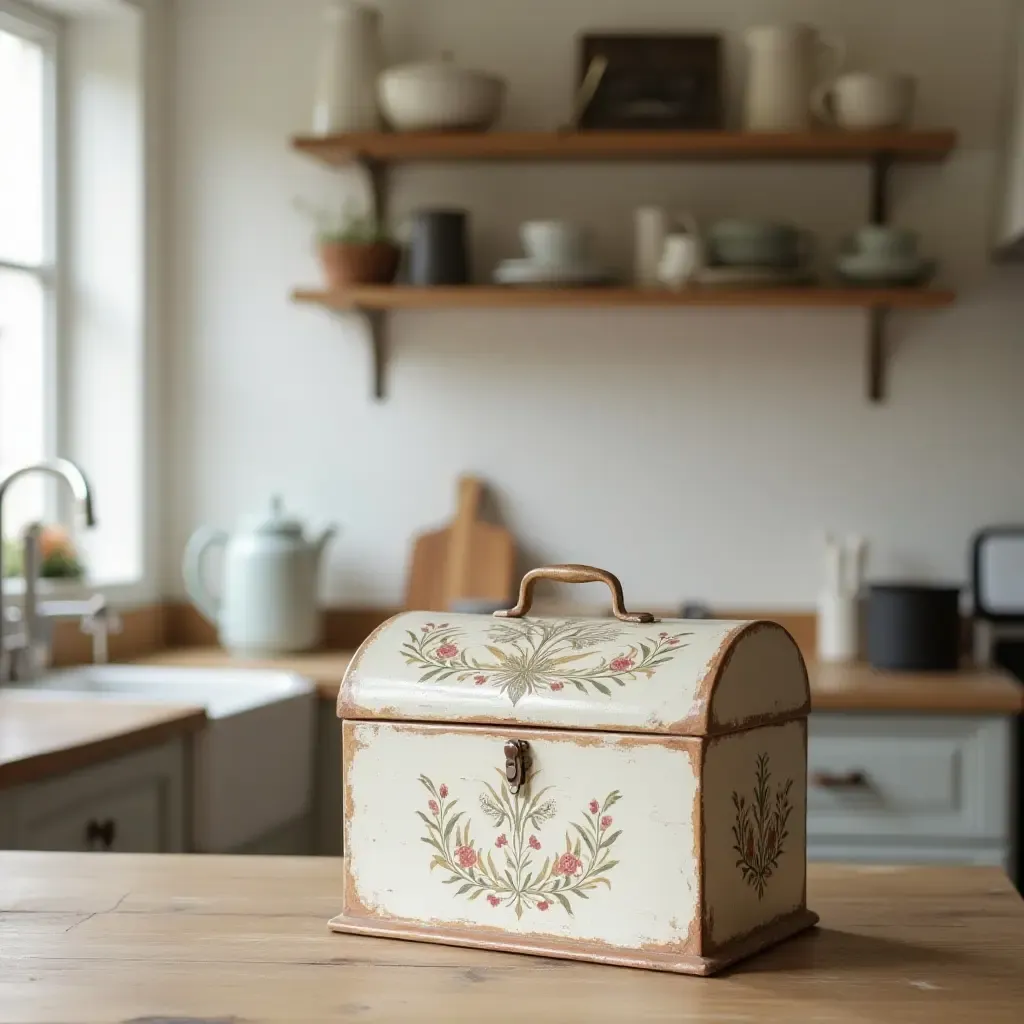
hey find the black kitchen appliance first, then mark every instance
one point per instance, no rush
(913, 627)
(997, 582)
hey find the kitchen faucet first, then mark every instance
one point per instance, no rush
(17, 651)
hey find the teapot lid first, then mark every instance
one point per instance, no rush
(274, 523)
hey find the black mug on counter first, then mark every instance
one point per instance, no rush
(438, 248)
(913, 627)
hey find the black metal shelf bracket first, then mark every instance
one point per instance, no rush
(376, 172)
(877, 354)
(375, 324)
(877, 349)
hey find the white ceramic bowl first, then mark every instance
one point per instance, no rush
(439, 96)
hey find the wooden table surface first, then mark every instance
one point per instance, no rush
(833, 687)
(119, 938)
(48, 734)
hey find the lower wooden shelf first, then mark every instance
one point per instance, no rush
(374, 302)
(396, 297)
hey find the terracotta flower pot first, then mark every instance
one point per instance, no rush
(348, 263)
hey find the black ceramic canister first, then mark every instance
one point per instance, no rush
(913, 627)
(438, 248)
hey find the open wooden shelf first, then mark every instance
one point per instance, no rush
(377, 152)
(374, 302)
(824, 144)
(397, 297)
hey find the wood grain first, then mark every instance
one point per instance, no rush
(399, 297)
(860, 687)
(467, 559)
(833, 687)
(418, 147)
(42, 735)
(132, 937)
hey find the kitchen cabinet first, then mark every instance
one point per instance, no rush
(327, 798)
(130, 804)
(910, 788)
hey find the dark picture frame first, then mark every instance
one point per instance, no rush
(651, 82)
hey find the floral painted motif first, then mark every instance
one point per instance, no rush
(520, 880)
(533, 655)
(760, 828)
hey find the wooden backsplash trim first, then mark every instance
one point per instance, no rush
(154, 628)
(346, 628)
(144, 631)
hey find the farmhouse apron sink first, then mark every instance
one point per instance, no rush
(253, 767)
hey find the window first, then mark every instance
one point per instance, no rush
(28, 270)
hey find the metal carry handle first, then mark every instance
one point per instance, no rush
(573, 574)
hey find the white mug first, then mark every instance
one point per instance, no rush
(865, 100)
(553, 243)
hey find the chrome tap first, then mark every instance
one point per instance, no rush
(21, 643)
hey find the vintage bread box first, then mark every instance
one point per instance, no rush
(624, 790)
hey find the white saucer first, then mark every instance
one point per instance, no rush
(528, 272)
(739, 276)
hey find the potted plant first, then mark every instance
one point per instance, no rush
(58, 559)
(355, 249)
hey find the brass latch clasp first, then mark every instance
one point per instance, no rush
(517, 763)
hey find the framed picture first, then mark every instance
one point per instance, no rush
(650, 82)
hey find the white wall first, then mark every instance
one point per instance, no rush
(697, 454)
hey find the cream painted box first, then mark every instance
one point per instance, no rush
(627, 790)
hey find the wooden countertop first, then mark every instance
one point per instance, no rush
(833, 687)
(48, 734)
(119, 938)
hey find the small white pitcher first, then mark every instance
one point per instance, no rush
(682, 257)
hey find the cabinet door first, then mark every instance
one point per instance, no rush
(134, 804)
(903, 779)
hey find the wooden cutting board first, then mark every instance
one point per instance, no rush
(469, 559)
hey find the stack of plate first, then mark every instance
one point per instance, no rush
(556, 258)
(527, 272)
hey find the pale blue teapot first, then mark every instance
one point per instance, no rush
(268, 603)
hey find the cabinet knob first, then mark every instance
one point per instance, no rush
(101, 832)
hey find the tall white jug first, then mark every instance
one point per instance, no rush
(785, 63)
(350, 61)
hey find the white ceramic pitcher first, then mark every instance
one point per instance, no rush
(786, 62)
(683, 254)
(268, 603)
(350, 61)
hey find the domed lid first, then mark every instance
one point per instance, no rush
(632, 673)
(276, 523)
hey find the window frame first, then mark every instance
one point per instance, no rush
(32, 24)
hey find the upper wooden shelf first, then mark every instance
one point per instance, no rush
(395, 297)
(824, 144)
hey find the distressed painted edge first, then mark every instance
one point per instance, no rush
(706, 943)
(346, 706)
(703, 723)
(678, 963)
(355, 909)
(699, 830)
